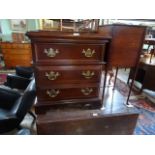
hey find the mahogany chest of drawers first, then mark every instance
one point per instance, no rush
(68, 68)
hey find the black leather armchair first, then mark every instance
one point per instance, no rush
(21, 78)
(14, 106)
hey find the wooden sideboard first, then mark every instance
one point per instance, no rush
(16, 54)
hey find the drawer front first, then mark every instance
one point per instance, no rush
(67, 93)
(48, 52)
(50, 75)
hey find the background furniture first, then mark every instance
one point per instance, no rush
(16, 54)
(145, 76)
(70, 25)
(125, 47)
(14, 106)
(150, 42)
(18, 37)
(87, 25)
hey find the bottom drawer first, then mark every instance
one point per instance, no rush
(76, 104)
(67, 93)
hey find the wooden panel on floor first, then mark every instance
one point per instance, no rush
(87, 122)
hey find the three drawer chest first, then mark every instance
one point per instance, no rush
(68, 69)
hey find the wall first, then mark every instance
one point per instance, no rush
(32, 24)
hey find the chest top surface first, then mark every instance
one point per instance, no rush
(47, 36)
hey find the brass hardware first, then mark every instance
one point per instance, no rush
(52, 93)
(52, 75)
(86, 91)
(88, 74)
(51, 52)
(88, 53)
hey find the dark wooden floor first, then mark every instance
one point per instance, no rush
(114, 102)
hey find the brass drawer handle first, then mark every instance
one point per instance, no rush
(88, 53)
(52, 75)
(51, 52)
(52, 93)
(86, 91)
(88, 74)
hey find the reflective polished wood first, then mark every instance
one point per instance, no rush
(68, 67)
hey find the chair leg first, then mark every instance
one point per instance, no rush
(148, 49)
(115, 78)
(32, 114)
(104, 84)
(111, 74)
(129, 77)
(130, 87)
(151, 56)
(128, 81)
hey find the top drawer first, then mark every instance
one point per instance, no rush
(56, 53)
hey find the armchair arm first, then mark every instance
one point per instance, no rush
(8, 97)
(15, 81)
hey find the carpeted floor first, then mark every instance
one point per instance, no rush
(2, 78)
(146, 121)
(3, 74)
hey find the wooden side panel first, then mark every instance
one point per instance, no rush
(86, 123)
(126, 44)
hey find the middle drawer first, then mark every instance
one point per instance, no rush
(48, 75)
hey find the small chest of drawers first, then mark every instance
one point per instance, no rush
(68, 68)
